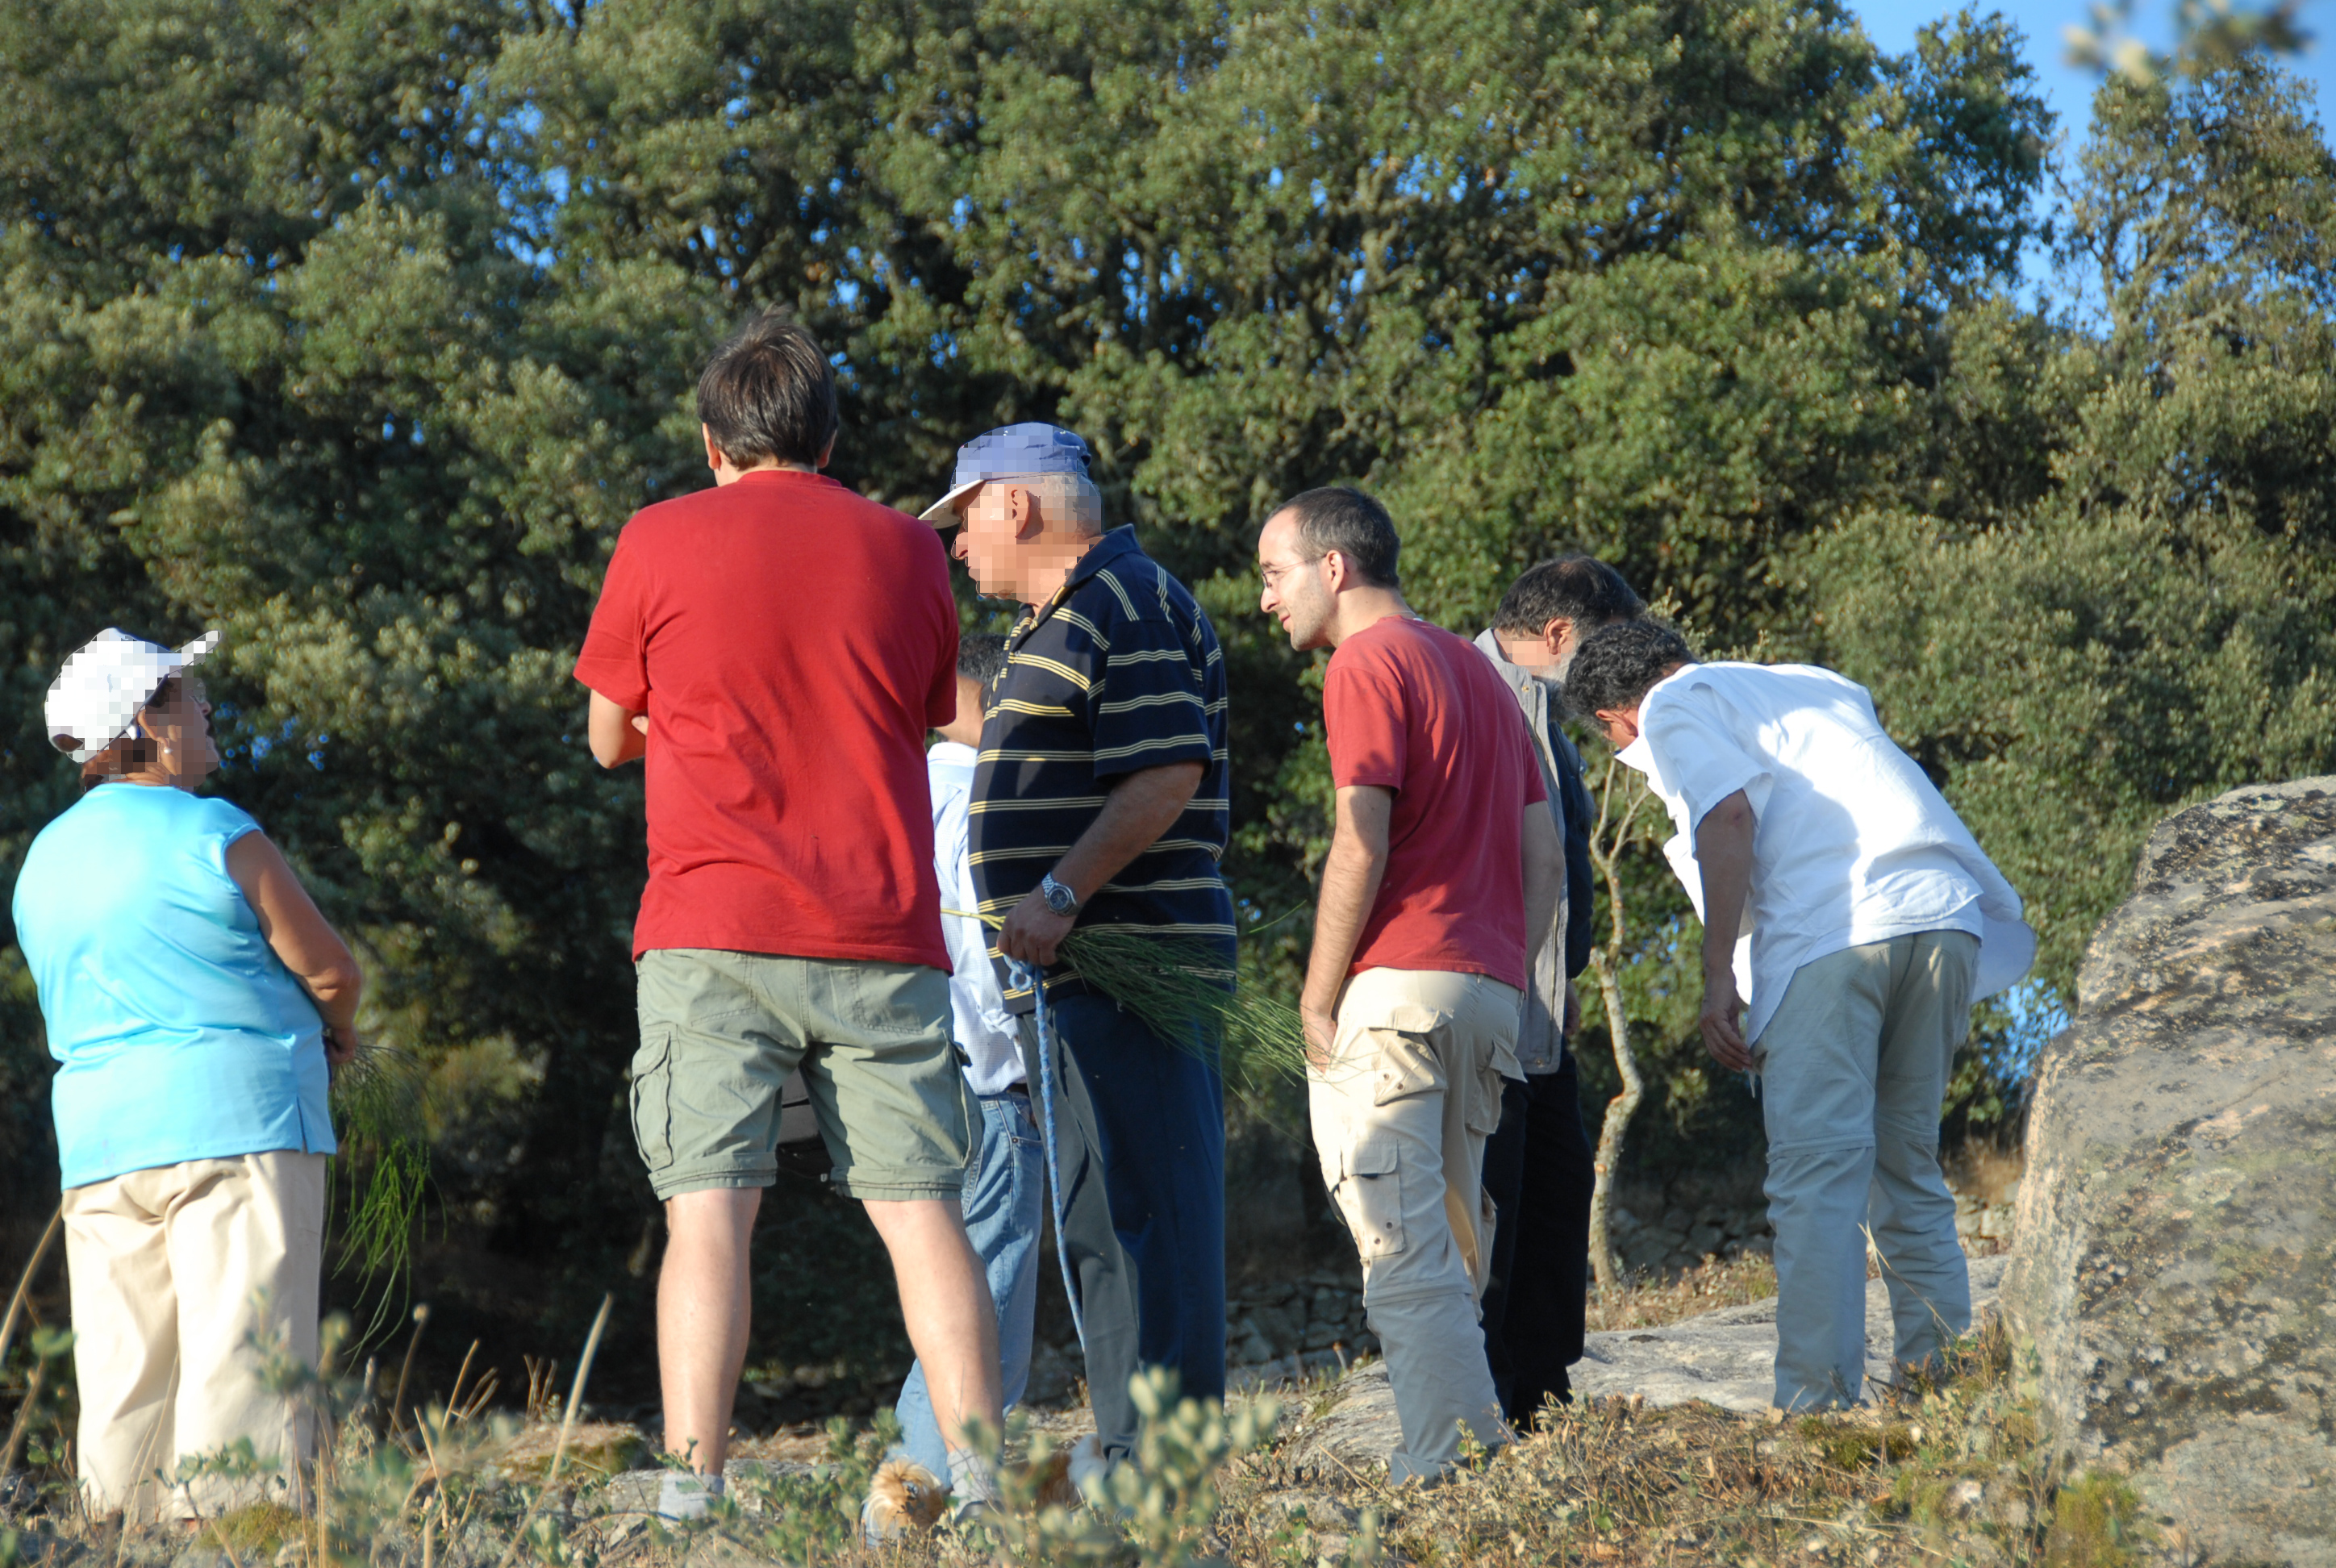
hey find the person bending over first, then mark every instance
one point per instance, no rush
(1539, 1166)
(1850, 921)
(1443, 878)
(774, 648)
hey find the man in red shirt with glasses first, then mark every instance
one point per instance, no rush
(1444, 857)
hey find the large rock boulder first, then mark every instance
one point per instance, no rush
(2173, 1279)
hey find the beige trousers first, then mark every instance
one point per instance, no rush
(1400, 1117)
(175, 1271)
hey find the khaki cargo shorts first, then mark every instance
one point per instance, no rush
(720, 1033)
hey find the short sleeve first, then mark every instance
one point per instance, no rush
(1363, 720)
(222, 823)
(1696, 750)
(1145, 709)
(940, 697)
(940, 702)
(615, 661)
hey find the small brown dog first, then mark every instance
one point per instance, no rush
(1055, 1486)
(903, 1495)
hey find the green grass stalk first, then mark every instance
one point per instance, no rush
(1183, 990)
(378, 1104)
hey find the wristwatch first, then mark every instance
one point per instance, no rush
(1059, 899)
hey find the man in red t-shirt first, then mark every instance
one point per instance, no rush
(1443, 858)
(776, 647)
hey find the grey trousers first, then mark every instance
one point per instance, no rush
(1104, 1272)
(1854, 1069)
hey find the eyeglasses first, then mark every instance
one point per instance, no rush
(1274, 574)
(186, 687)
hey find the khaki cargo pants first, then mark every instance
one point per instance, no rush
(1400, 1117)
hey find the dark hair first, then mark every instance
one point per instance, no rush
(1619, 664)
(980, 656)
(1351, 522)
(1581, 588)
(768, 395)
(125, 754)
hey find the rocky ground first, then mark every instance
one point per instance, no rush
(1664, 1460)
(1723, 1358)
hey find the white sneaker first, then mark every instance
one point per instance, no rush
(1091, 1469)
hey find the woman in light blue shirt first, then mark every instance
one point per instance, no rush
(194, 1000)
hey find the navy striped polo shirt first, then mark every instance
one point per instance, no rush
(1118, 672)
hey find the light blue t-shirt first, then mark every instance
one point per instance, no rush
(180, 1033)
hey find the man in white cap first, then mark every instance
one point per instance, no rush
(193, 996)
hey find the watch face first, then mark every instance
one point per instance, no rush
(1059, 897)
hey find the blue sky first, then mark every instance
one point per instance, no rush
(1892, 24)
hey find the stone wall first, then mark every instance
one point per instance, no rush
(2173, 1280)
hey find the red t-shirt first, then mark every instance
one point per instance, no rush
(1412, 708)
(791, 644)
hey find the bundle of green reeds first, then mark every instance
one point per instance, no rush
(378, 1109)
(1184, 991)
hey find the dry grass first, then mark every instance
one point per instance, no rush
(1947, 1472)
(1953, 1471)
(1650, 1302)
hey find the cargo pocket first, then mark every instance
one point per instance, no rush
(1370, 1196)
(1407, 1066)
(1483, 1113)
(652, 1094)
(893, 1006)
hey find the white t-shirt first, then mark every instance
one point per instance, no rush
(1852, 843)
(982, 1025)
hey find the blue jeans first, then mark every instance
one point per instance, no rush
(1005, 1198)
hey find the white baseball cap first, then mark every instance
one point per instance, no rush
(97, 697)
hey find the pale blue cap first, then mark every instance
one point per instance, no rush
(1009, 452)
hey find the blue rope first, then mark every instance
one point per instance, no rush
(1022, 975)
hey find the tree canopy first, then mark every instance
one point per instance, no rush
(357, 330)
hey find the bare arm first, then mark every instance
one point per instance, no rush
(1544, 854)
(617, 734)
(1351, 874)
(1723, 853)
(296, 929)
(1142, 807)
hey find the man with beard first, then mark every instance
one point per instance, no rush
(1539, 1166)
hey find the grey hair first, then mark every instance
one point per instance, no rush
(1070, 496)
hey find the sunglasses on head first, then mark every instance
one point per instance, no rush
(188, 686)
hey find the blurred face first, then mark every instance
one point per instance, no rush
(1564, 642)
(1296, 592)
(179, 722)
(985, 542)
